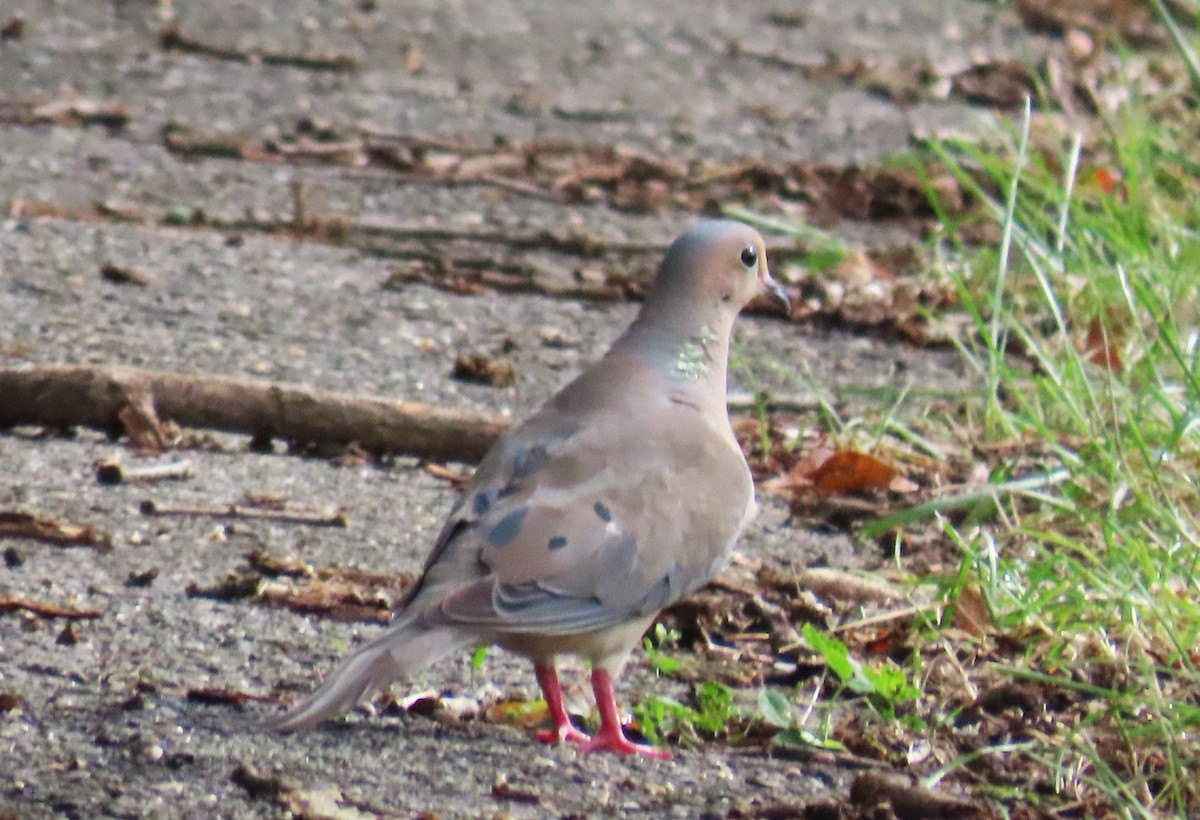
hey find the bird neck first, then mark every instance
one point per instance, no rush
(691, 351)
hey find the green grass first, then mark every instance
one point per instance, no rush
(1084, 322)
(1098, 572)
(1084, 544)
(714, 715)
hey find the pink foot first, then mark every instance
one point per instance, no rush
(563, 734)
(607, 741)
(563, 730)
(611, 737)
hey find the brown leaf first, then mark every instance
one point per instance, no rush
(1133, 19)
(1101, 348)
(1107, 180)
(522, 714)
(971, 612)
(256, 784)
(234, 587)
(503, 790)
(873, 193)
(907, 801)
(849, 471)
(1004, 84)
(885, 643)
(14, 29)
(226, 697)
(123, 276)
(481, 369)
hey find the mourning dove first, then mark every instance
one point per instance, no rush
(624, 493)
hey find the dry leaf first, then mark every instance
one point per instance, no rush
(119, 275)
(1107, 179)
(1101, 348)
(492, 371)
(522, 714)
(1003, 84)
(848, 471)
(1133, 19)
(971, 612)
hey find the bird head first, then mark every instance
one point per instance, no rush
(717, 263)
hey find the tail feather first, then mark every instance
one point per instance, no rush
(405, 648)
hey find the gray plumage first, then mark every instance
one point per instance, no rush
(625, 492)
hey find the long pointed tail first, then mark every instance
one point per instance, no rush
(404, 648)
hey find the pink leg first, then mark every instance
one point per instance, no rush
(547, 678)
(611, 738)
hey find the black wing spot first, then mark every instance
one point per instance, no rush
(528, 462)
(508, 528)
(511, 488)
(602, 512)
(481, 504)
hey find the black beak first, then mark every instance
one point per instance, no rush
(776, 293)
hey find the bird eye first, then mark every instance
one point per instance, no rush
(749, 256)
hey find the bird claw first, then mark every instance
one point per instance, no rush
(617, 742)
(601, 742)
(563, 734)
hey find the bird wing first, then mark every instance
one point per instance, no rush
(573, 525)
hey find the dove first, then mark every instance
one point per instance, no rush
(625, 492)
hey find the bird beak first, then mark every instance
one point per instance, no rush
(776, 294)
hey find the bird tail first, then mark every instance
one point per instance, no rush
(404, 648)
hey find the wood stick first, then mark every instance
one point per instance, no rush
(111, 471)
(15, 603)
(61, 396)
(65, 396)
(317, 519)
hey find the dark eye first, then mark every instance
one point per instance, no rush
(749, 256)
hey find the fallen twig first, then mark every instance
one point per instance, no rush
(102, 397)
(172, 39)
(111, 471)
(576, 243)
(274, 566)
(69, 111)
(61, 396)
(749, 402)
(346, 603)
(119, 275)
(13, 603)
(838, 584)
(290, 516)
(26, 525)
(341, 594)
(888, 617)
(226, 697)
